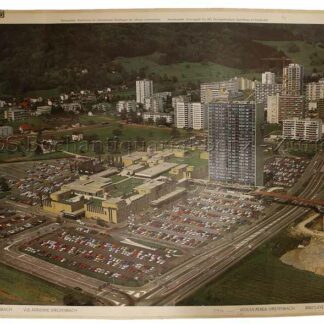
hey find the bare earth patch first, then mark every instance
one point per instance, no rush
(309, 258)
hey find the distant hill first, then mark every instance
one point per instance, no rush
(67, 57)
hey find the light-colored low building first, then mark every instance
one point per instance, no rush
(126, 105)
(302, 129)
(72, 107)
(15, 114)
(42, 110)
(134, 157)
(6, 131)
(156, 170)
(147, 116)
(89, 186)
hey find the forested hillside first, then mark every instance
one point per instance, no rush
(74, 56)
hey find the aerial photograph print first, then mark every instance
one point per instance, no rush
(161, 164)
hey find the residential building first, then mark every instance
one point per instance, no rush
(156, 116)
(72, 107)
(144, 89)
(292, 82)
(182, 115)
(218, 90)
(268, 78)
(126, 105)
(282, 107)
(154, 104)
(6, 131)
(273, 109)
(302, 129)
(41, 110)
(15, 114)
(320, 109)
(263, 90)
(199, 115)
(234, 138)
(177, 99)
(245, 84)
(315, 90)
(191, 115)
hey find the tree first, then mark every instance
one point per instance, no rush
(4, 184)
(175, 132)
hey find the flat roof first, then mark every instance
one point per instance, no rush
(156, 170)
(91, 185)
(150, 184)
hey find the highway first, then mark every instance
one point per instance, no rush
(182, 281)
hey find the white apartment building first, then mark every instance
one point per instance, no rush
(144, 89)
(191, 115)
(182, 115)
(199, 115)
(268, 78)
(14, 114)
(156, 116)
(302, 129)
(315, 90)
(126, 105)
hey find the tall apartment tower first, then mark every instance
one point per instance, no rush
(191, 115)
(234, 138)
(144, 89)
(268, 78)
(292, 82)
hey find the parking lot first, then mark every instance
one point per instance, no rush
(13, 221)
(284, 171)
(206, 216)
(99, 255)
(34, 180)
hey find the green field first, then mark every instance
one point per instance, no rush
(262, 278)
(126, 187)
(192, 158)
(184, 71)
(19, 288)
(309, 55)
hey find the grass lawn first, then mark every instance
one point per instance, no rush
(19, 288)
(116, 178)
(262, 278)
(125, 187)
(193, 158)
(303, 56)
(96, 119)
